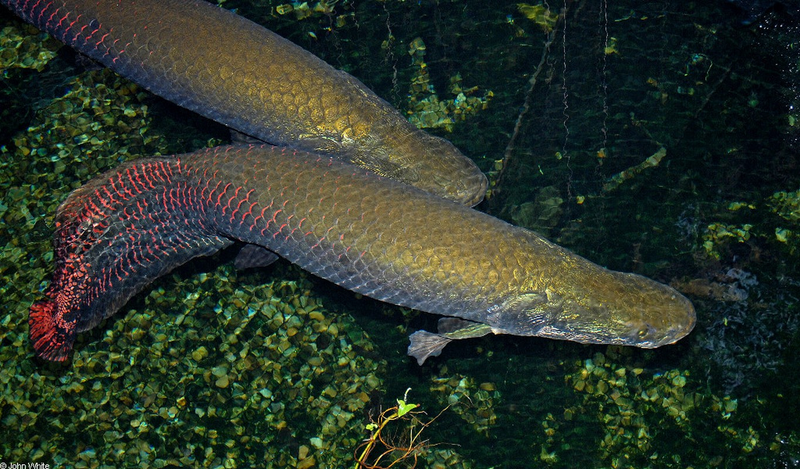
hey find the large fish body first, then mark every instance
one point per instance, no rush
(240, 74)
(369, 234)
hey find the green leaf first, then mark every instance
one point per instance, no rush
(403, 408)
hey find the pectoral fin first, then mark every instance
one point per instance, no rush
(426, 344)
(523, 314)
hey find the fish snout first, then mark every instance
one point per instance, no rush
(469, 191)
(646, 335)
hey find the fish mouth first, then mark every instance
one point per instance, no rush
(676, 333)
(468, 188)
(640, 335)
(649, 337)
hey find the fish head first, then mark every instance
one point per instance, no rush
(445, 171)
(426, 162)
(618, 309)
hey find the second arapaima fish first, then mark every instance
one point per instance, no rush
(236, 72)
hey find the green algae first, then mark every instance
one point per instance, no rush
(425, 109)
(26, 47)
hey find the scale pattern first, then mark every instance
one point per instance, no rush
(366, 233)
(240, 74)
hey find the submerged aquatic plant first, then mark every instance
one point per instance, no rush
(539, 14)
(405, 448)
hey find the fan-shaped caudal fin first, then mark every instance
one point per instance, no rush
(78, 299)
(51, 336)
(113, 237)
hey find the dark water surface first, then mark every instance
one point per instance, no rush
(660, 138)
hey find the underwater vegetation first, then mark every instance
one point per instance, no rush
(28, 49)
(279, 379)
(474, 403)
(637, 408)
(425, 109)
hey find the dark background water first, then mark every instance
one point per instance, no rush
(615, 83)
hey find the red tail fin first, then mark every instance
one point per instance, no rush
(52, 339)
